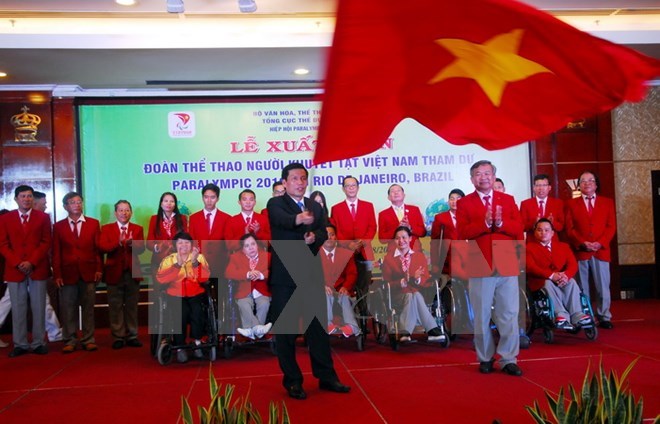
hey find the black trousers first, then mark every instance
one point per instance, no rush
(317, 339)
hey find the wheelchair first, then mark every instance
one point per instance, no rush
(387, 311)
(543, 316)
(163, 341)
(230, 320)
(361, 319)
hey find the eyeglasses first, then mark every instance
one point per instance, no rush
(74, 202)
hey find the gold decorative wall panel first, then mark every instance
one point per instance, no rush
(636, 150)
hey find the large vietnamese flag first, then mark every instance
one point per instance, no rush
(492, 72)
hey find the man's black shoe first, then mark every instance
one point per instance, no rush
(334, 386)
(296, 391)
(18, 351)
(133, 343)
(117, 344)
(512, 369)
(40, 350)
(607, 325)
(486, 367)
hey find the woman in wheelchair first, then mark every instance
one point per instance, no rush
(184, 272)
(248, 269)
(551, 265)
(407, 272)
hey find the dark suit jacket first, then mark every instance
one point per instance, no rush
(495, 249)
(388, 222)
(120, 256)
(600, 227)
(282, 213)
(542, 263)
(529, 211)
(212, 246)
(76, 259)
(363, 227)
(32, 244)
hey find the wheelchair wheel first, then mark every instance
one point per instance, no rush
(394, 343)
(525, 342)
(164, 353)
(154, 344)
(380, 331)
(591, 333)
(213, 354)
(448, 304)
(227, 347)
(445, 341)
(360, 342)
(548, 335)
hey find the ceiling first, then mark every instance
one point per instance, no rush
(89, 46)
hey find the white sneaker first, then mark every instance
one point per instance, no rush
(405, 339)
(434, 338)
(261, 330)
(56, 338)
(246, 332)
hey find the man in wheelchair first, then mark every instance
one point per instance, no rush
(551, 265)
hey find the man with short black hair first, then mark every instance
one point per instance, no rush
(541, 205)
(25, 240)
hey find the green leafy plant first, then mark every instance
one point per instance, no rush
(603, 399)
(222, 410)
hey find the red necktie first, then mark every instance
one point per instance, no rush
(487, 202)
(208, 222)
(247, 221)
(124, 234)
(590, 203)
(75, 228)
(330, 257)
(405, 262)
(24, 217)
(253, 263)
(541, 209)
(353, 212)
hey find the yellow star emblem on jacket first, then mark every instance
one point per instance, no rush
(492, 65)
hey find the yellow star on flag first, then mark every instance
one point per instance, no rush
(492, 64)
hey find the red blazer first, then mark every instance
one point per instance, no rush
(541, 263)
(30, 243)
(342, 271)
(388, 222)
(443, 226)
(76, 259)
(496, 249)
(363, 227)
(393, 271)
(600, 227)
(213, 245)
(236, 229)
(237, 270)
(165, 248)
(529, 212)
(121, 256)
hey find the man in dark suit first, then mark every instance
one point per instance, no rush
(25, 242)
(590, 227)
(542, 206)
(491, 221)
(294, 217)
(77, 268)
(123, 242)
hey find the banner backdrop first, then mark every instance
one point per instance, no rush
(137, 152)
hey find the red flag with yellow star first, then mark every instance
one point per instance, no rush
(491, 72)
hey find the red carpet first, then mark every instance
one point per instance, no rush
(419, 383)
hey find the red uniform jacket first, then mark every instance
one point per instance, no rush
(236, 229)
(30, 243)
(388, 222)
(341, 272)
(165, 248)
(363, 227)
(443, 229)
(237, 270)
(76, 259)
(393, 271)
(600, 227)
(542, 263)
(213, 245)
(529, 211)
(121, 256)
(496, 248)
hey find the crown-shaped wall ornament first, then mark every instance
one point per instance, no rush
(25, 125)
